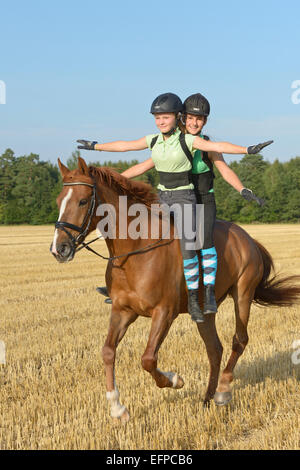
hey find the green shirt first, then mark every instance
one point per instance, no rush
(168, 156)
(199, 166)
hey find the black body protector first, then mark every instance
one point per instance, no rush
(202, 182)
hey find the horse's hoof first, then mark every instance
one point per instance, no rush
(179, 383)
(174, 380)
(123, 419)
(222, 398)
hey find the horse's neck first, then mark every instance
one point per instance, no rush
(119, 206)
(107, 195)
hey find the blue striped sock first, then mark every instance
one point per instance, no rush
(209, 263)
(191, 272)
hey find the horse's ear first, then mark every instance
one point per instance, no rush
(63, 169)
(82, 166)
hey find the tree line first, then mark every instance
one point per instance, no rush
(29, 187)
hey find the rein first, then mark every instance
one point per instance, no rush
(79, 245)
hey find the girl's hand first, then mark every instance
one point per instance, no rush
(254, 149)
(87, 144)
(250, 196)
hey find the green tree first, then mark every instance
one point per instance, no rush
(7, 174)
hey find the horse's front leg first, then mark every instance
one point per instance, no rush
(119, 322)
(161, 322)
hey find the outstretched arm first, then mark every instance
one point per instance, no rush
(227, 147)
(139, 169)
(117, 146)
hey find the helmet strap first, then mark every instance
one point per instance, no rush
(170, 132)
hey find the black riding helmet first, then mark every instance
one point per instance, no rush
(167, 103)
(196, 104)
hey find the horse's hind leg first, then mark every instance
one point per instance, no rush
(119, 322)
(161, 322)
(242, 303)
(214, 351)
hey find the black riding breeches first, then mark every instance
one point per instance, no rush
(210, 211)
(184, 221)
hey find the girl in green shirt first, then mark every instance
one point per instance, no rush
(196, 109)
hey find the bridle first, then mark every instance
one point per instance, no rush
(78, 242)
(84, 228)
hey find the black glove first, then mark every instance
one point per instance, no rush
(250, 196)
(87, 144)
(254, 149)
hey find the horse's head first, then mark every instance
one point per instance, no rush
(76, 203)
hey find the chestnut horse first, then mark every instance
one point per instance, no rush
(145, 277)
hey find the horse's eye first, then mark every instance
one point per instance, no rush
(83, 202)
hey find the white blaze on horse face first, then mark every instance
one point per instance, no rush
(61, 213)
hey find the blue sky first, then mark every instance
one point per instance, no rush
(91, 70)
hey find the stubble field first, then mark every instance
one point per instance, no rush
(52, 388)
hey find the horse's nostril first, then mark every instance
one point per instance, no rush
(64, 249)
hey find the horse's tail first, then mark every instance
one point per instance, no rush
(275, 291)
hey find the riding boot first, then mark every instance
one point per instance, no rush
(104, 291)
(194, 307)
(210, 305)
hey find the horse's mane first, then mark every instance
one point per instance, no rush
(135, 190)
